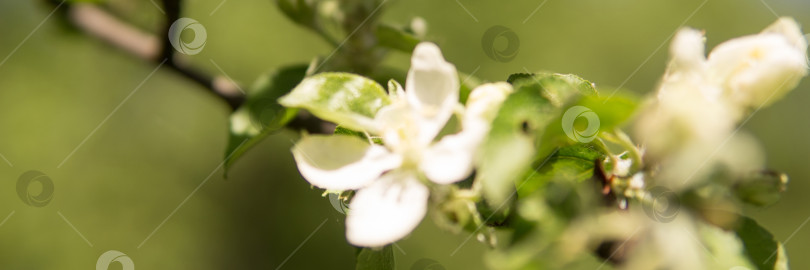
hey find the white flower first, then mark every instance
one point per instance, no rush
(757, 70)
(671, 245)
(745, 73)
(392, 195)
(700, 99)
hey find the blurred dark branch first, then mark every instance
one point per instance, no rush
(172, 9)
(101, 24)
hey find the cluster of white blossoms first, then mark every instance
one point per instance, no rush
(392, 180)
(701, 99)
(691, 125)
(406, 153)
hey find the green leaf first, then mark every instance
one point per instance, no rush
(724, 247)
(761, 188)
(559, 89)
(261, 114)
(613, 111)
(300, 11)
(760, 246)
(397, 39)
(379, 259)
(340, 130)
(512, 144)
(572, 163)
(509, 149)
(346, 99)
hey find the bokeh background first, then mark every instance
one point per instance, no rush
(144, 161)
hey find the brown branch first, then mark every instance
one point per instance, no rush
(172, 9)
(100, 24)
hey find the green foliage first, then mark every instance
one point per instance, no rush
(397, 39)
(559, 89)
(376, 259)
(760, 247)
(514, 141)
(544, 231)
(343, 98)
(613, 111)
(725, 248)
(761, 188)
(571, 163)
(556, 215)
(300, 11)
(261, 114)
(340, 130)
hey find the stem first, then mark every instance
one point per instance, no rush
(172, 9)
(98, 23)
(619, 137)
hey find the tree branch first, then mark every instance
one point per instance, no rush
(172, 9)
(100, 24)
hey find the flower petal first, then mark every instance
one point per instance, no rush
(688, 51)
(398, 126)
(387, 210)
(485, 100)
(451, 159)
(432, 89)
(758, 68)
(790, 29)
(341, 162)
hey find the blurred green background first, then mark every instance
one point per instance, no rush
(146, 159)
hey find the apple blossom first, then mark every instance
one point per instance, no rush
(392, 180)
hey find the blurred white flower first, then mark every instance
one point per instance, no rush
(392, 196)
(672, 245)
(700, 99)
(757, 70)
(745, 72)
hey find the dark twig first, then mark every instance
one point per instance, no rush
(172, 9)
(100, 24)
